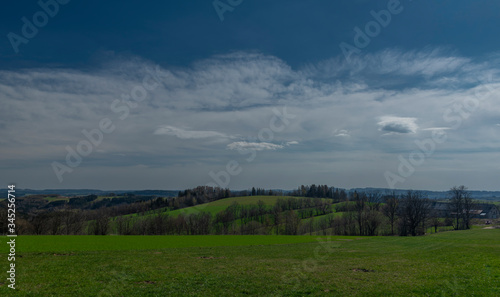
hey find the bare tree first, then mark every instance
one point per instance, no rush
(38, 223)
(469, 204)
(276, 215)
(359, 210)
(54, 222)
(292, 221)
(372, 221)
(261, 210)
(100, 224)
(124, 225)
(461, 205)
(390, 209)
(413, 212)
(435, 221)
(374, 200)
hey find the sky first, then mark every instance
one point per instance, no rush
(122, 95)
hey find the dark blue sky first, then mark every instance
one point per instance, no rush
(179, 32)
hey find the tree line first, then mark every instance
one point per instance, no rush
(339, 213)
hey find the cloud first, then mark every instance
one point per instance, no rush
(397, 125)
(186, 134)
(427, 62)
(393, 67)
(436, 129)
(341, 133)
(226, 100)
(258, 146)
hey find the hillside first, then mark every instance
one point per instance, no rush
(219, 205)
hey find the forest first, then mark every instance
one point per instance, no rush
(313, 210)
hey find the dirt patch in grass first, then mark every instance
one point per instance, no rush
(147, 282)
(362, 270)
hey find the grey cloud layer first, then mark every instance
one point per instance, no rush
(199, 116)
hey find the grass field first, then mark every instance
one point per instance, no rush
(216, 206)
(219, 205)
(458, 263)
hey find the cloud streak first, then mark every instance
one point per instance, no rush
(257, 146)
(188, 134)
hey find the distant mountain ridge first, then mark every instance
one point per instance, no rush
(83, 192)
(479, 195)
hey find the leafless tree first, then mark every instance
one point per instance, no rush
(124, 225)
(435, 221)
(461, 205)
(390, 209)
(292, 222)
(100, 225)
(413, 212)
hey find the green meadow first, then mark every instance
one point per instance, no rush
(457, 263)
(219, 205)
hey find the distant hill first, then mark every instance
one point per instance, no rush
(438, 195)
(85, 192)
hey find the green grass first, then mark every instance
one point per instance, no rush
(458, 263)
(318, 218)
(219, 205)
(74, 243)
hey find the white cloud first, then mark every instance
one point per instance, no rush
(187, 134)
(436, 129)
(258, 146)
(397, 125)
(437, 66)
(292, 142)
(341, 133)
(426, 62)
